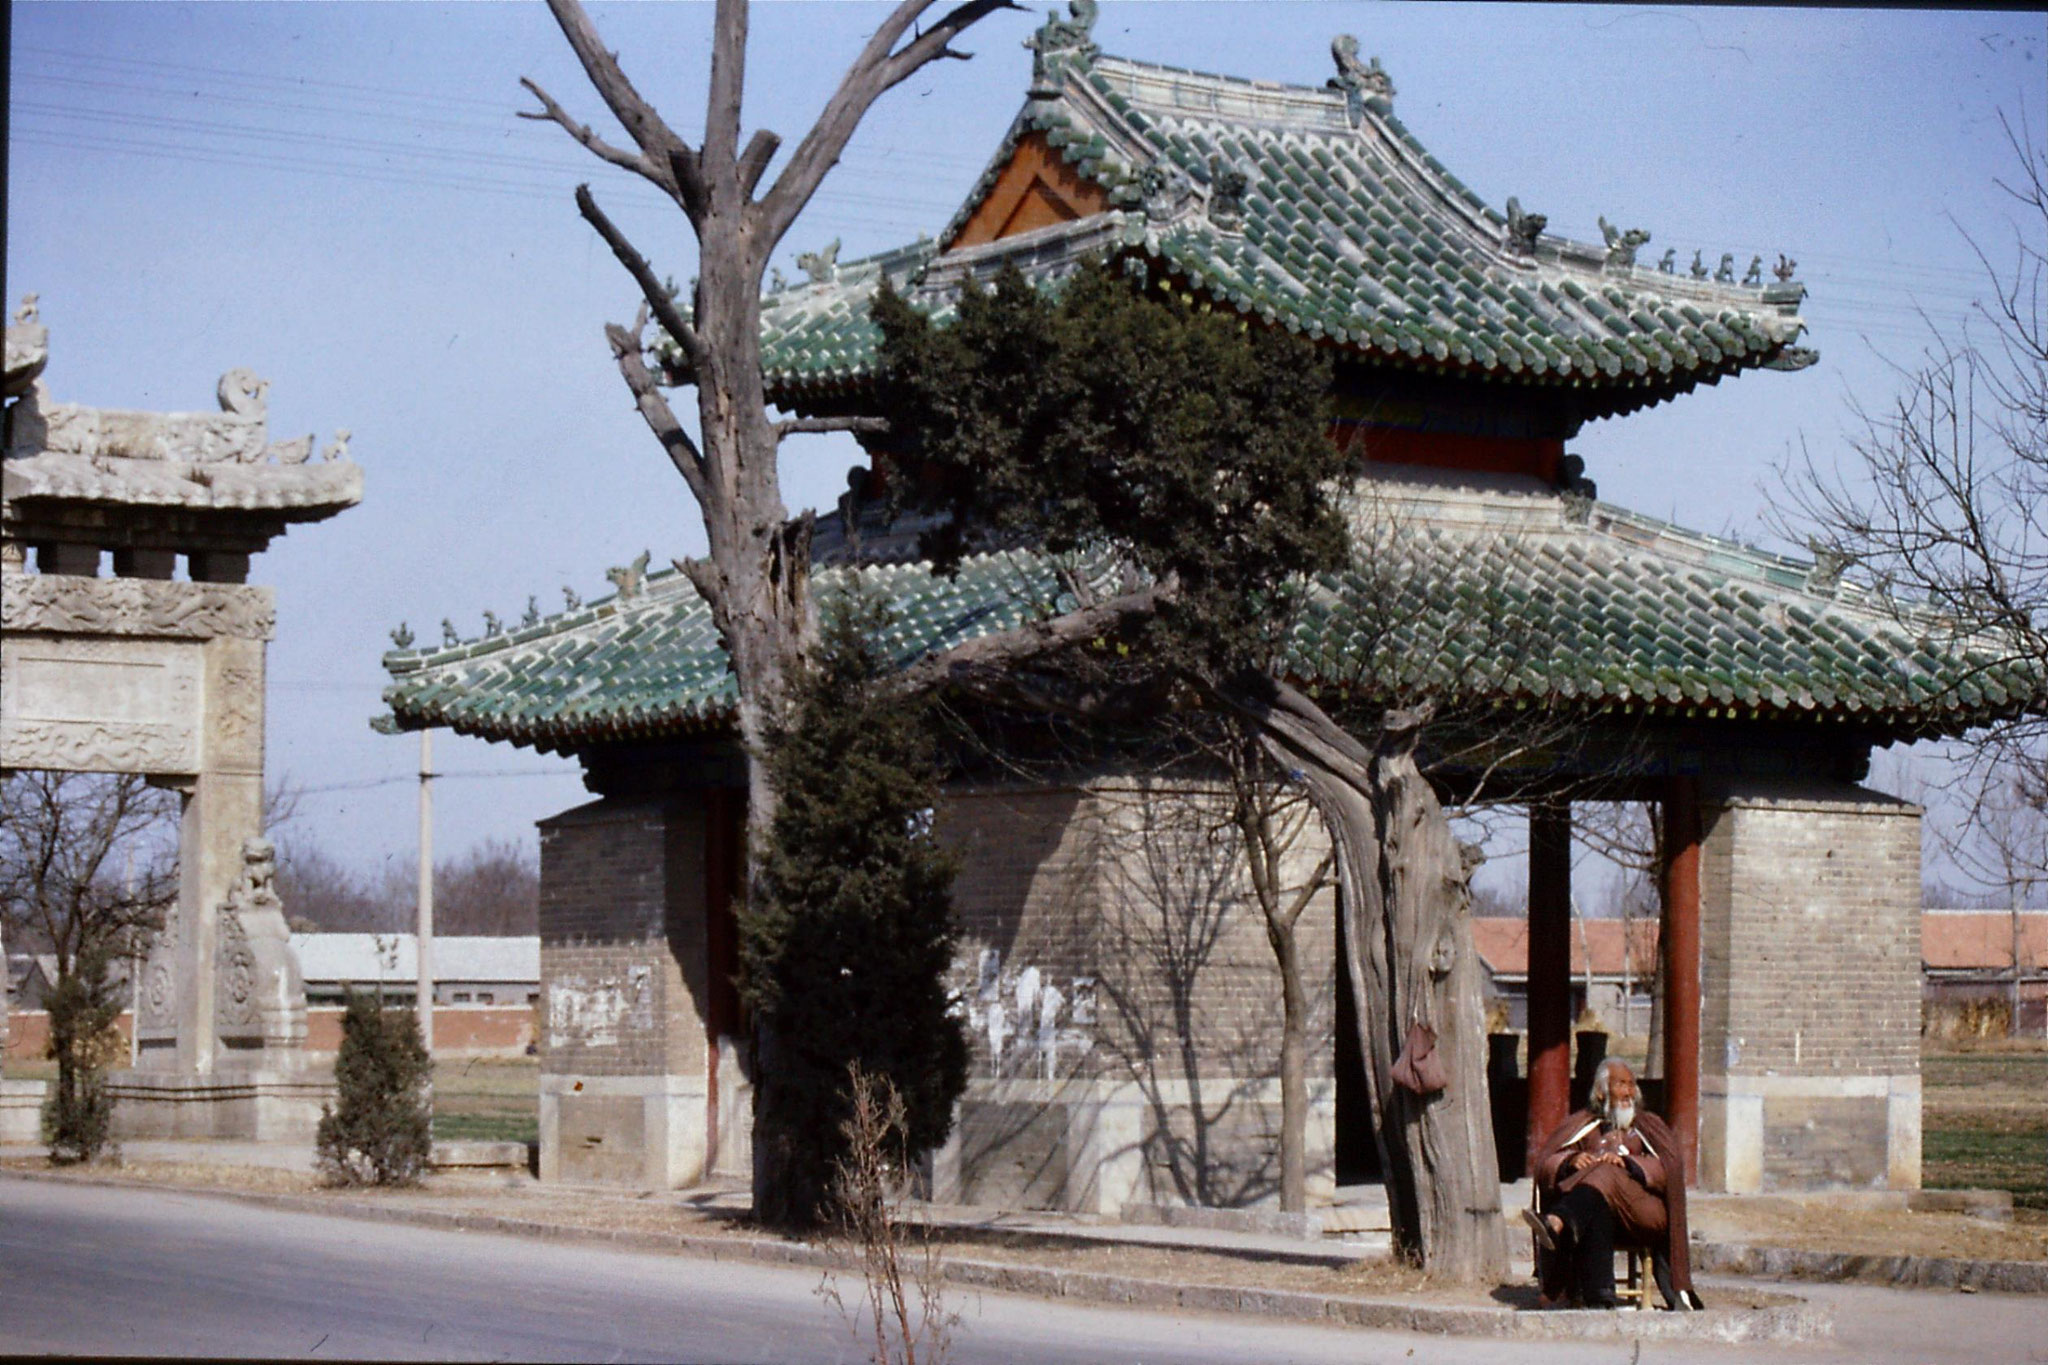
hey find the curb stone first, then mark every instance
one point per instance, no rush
(1785, 1324)
(1905, 1272)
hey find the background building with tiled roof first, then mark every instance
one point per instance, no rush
(1741, 690)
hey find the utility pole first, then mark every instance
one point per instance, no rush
(423, 1002)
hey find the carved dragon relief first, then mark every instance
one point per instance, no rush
(64, 605)
(91, 746)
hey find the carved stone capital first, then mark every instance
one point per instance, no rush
(65, 605)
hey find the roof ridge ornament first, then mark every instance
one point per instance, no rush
(821, 265)
(1227, 186)
(1621, 245)
(628, 578)
(1163, 190)
(1523, 228)
(1828, 566)
(1360, 81)
(1058, 38)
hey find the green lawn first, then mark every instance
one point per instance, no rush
(488, 1100)
(1985, 1122)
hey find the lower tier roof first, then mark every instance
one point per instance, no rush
(1502, 592)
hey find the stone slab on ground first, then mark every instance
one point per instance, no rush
(474, 1154)
(1910, 1272)
(1994, 1205)
(21, 1110)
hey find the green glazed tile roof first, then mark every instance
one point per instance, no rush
(1346, 230)
(1506, 594)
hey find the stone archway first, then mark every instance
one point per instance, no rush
(142, 673)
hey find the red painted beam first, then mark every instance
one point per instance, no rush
(1550, 969)
(1681, 952)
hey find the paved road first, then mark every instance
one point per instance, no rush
(86, 1270)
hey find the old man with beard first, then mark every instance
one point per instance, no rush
(1610, 1174)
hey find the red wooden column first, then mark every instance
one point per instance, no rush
(1680, 947)
(1550, 969)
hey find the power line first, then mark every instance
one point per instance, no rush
(470, 774)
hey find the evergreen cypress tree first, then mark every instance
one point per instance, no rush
(845, 958)
(83, 1007)
(380, 1131)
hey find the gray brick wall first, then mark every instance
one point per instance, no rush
(1130, 901)
(622, 940)
(1810, 956)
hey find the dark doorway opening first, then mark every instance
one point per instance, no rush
(1357, 1154)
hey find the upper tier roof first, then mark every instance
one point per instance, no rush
(1315, 210)
(1472, 588)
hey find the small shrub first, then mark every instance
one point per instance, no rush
(78, 1117)
(380, 1131)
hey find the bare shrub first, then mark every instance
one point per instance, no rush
(903, 1303)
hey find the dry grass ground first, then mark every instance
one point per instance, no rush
(1985, 1122)
(487, 1098)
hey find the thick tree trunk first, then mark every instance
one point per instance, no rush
(1293, 1076)
(1403, 887)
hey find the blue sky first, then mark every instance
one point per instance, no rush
(341, 197)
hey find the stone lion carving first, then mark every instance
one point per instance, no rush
(260, 1003)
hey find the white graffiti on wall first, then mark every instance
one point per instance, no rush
(595, 1011)
(1028, 1022)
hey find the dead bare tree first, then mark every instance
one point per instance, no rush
(88, 866)
(756, 579)
(1271, 815)
(1944, 505)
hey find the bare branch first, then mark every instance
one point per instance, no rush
(651, 288)
(728, 85)
(865, 426)
(647, 129)
(655, 411)
(761, 149)
(1000, 652)
(879, 67)
(552, 112)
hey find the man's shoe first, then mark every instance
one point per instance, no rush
(1545, 1238)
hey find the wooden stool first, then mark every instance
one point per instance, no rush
(1634, 1289)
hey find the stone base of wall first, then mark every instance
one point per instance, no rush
(243, 1106)
(1768, 1133)
(643, 1132)
(1097, 1146)
(21, 1110)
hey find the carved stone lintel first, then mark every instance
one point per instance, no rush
(65, 605)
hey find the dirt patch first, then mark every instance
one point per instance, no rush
(1819, 1226)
